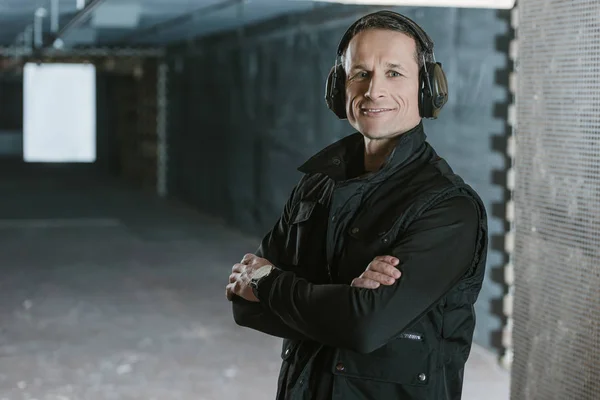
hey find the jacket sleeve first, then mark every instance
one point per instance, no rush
(255, 315)
(435, 252)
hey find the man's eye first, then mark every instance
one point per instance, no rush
(362, 74)
(395, 74)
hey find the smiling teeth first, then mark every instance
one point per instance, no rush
(374, 109)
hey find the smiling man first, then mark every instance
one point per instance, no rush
(371, 272)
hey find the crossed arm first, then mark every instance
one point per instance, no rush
(434, 254)
(381, 271)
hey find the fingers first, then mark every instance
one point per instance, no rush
(239, 268)
(384, 268)
(378, 277)
(365, 283)
(236, 274)
(229, 292)
(388, 259)
(372, 280)
(232, 289)
(234, 277)
(247, 258)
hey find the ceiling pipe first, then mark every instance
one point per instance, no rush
(28, 38)
(78, 18)
(38, 27)
(177, 21)
(54, 15)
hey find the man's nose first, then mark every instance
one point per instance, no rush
(376, 87)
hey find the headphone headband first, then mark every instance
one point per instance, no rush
(419, 33)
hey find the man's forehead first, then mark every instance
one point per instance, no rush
(371, 42)
(394, 57)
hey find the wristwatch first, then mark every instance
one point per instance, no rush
(258, 276)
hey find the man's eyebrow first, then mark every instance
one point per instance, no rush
(388, 65)
(357, 66)
(395, 66)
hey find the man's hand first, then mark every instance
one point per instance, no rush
(381, 271)
(241, 275)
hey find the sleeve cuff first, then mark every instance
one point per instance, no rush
(263, 288)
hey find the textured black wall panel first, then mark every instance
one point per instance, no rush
(11, 116)
(107, 150)
(11, 103)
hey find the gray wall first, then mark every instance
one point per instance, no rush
(247, 108)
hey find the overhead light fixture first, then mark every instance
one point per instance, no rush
(498, 4)
(117, 16)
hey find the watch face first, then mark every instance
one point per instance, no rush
(262, 271)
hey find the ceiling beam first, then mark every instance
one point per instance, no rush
(177, 21)
(15, 52)
(78, 18)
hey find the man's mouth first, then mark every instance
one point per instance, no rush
(374, 111)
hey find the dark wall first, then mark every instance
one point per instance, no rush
(127, 124)
(11, 115)
(246, 109)
(107, 155)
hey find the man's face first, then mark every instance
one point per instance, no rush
(382, 83)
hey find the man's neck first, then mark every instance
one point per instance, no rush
(377, 151)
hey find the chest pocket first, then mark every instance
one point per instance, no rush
(303, 212)
(374, 232)
(305, 241)
(365, 241)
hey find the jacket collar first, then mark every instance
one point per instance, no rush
(339, 159)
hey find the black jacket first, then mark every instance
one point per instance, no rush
(406, 341)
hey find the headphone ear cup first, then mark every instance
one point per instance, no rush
(335, 91)
(439, 84)
(431, 101)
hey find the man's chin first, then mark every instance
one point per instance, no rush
(381, 132)
(376, 134)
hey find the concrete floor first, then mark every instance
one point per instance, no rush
(108, 293)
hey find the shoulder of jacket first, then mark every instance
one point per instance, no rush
(314, 182)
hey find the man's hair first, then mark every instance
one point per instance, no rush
(392, 24)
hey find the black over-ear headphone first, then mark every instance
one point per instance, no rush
(433, 92)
